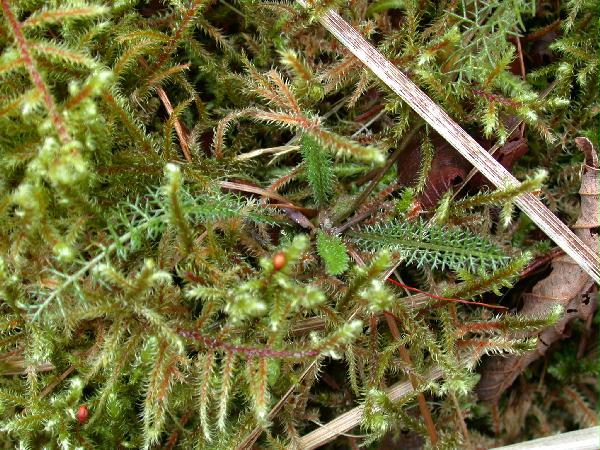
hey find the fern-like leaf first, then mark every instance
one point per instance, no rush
(434, 246)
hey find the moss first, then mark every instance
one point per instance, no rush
(182, 184)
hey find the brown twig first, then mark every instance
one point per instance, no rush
(520, 53)
(585, 337)
(446, 299)
(55, 383)
(542, 31)
(540, 262)
(233, 186)
(175, 38)
(405, 355)
(461, 421)
(181, 134)
(179, 129)
(368, 210)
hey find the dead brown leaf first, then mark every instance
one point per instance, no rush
(567, 285)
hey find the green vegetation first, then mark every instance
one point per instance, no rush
(196, 216)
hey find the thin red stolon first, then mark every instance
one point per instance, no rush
(446, 299)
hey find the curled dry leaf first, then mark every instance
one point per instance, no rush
(567, 286)
(449, 169)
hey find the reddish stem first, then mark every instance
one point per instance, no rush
(477, 326)
(496, 98)
(405, 355)
(370, 113)
(173, 41)
(175, 435)
(35, 75)
(540, 262)
(446, 299)
(213, 343)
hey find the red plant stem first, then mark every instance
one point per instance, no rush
(179, 129)
(35, 75)
(405, 355)
(496, 419)
(446, 299)
(477, 344)
(542, 31)
(476, 326)
(173, 41)
(175, 435)
(496, 98)
(248, 351)
(370, 113)
(540, 262)
(521, 61)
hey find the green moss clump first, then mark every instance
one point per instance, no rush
(196, 214)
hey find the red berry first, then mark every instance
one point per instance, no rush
(82, 414)
(279, 261)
